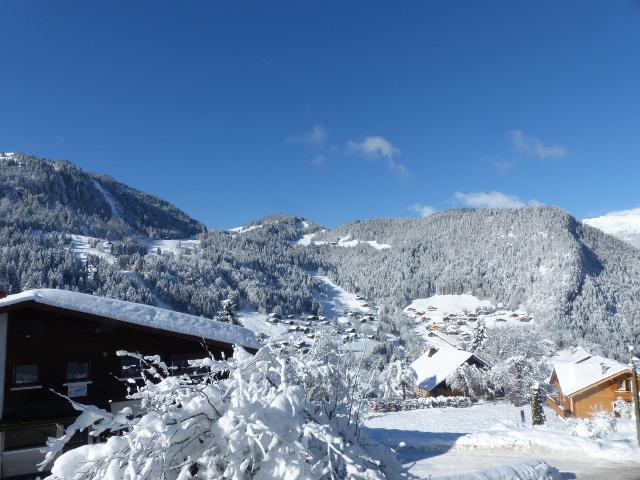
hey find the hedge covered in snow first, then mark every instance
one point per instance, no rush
(398, 405)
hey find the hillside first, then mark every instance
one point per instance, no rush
(58, 196)
(579, 282)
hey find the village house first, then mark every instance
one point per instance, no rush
(433, 367)
(66, 342)
(588, 383)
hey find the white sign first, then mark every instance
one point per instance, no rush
(76, 390)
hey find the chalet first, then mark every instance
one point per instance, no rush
(433, 367)
(588, 384)
(66, 342)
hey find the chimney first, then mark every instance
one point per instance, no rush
(2, 293)
(431, 352)
(603, 368)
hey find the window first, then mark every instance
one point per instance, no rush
(77, 370)
(627, 384)
(35, 436)
(130, 367)
(26, 374)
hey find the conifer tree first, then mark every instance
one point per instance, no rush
(537, 412)
(228, 313)
(479, 336)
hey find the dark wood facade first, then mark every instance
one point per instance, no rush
(56, 341)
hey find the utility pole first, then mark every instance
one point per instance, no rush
(634, 388)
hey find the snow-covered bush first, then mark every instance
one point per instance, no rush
(470, 381)
(515, 376)
(600, 425)
(249, 417)
(396, 379)
(623, 409)
(398, 405)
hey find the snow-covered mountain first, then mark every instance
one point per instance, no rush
(54, 221)
(58, 196)
(623, 224)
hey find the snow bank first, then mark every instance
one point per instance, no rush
(545, 441)
(136, 313)
(530, 470)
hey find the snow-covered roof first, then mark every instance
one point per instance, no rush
(571, 355)
(584, 372)
(138, 314)
(433, 370)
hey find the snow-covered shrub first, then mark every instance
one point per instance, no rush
(396, 379)
(470, 381)
(623, 409)
(398, 405)
(249, 417)
(600, 425)
(515, 377)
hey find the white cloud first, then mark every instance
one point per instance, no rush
(534, 146)
(422, 210)
(374, 148)
(316, 137)
(489, 200)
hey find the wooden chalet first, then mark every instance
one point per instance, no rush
(588, 383)
(433, 367)
(66, 342)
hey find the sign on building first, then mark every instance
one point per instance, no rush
(76, 390)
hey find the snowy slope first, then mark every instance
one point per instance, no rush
(82, 246)
(623, 224)
(336, 301)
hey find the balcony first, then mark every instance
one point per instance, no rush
(558, 406)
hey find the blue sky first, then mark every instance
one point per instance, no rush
(332, 110)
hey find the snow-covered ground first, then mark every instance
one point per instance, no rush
(336, 301)
(116, 210)
(244, 229)
(257, 322)
(83, 246)
(455, 441)
(176, 247)
(344, 242)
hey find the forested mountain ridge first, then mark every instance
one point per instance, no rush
(581, 283)
(577, 280)
(58, 196)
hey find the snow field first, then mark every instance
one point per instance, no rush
(451, 440)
